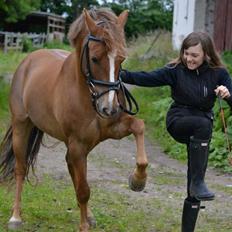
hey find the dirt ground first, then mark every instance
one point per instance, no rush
(111, 162)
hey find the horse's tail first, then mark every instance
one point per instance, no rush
(7, 157)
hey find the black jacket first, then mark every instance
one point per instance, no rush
(192, 90)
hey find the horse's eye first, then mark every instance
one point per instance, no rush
(94, 59)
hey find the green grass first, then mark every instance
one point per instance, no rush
(10, 61)
(58, 45)
(51, 206)
(45, 207)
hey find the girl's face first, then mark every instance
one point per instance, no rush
(194, 56)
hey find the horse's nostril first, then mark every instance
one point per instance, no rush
(105, 110)
(109, 112)
(113, 112)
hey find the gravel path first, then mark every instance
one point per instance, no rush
(111, 162)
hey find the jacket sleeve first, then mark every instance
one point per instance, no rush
(158, 77)
(225, 80)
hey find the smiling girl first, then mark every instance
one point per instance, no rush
(196, 78)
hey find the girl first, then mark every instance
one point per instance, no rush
(196, 78)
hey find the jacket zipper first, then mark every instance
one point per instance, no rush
(205, 91)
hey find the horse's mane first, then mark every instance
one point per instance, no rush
(112, 35)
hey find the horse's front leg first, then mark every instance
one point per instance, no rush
(124, 127)
(137, 180)
(76, 159)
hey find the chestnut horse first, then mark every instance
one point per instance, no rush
(77, 98)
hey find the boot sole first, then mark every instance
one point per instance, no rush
(204, 198)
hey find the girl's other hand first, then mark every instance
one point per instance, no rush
(222, 91)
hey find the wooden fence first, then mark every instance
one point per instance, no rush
(14, 41)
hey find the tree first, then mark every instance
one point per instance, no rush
(14, 10)
(71, 8)
(144, 16)
(54, 6)
(78, 5)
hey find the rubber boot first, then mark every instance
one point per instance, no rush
(198, 155)
(189, 216)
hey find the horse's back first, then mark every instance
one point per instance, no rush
(43, 61)
(41, 66)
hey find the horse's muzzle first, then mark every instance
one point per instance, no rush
(110, 112)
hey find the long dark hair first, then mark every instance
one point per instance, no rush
(208, 47)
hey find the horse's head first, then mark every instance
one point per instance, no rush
(102, 52)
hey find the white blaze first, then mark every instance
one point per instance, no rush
(112, 77)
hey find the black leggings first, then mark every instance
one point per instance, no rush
(185, 127)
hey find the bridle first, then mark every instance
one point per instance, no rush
(111, 86)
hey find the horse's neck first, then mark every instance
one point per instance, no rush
(71, 80)
(72, 71)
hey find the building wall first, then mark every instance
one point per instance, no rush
(209, 17)
(222, 25)
(199, 15)
(192, 15)
(183, 21)
(204, 16)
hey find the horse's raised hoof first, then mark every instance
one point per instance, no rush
(92, 222)
(135, 184)
(14, 225)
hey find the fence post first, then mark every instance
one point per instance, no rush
(5, 42)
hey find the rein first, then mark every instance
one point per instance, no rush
(225, 128)
(111, 86)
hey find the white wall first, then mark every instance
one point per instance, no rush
(183, 21)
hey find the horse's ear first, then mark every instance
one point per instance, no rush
(122, 18)
(90, 22)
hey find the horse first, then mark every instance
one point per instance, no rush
(78, 98)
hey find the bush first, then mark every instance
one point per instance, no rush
(27, 45)
(57, 45)
(227, 58)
